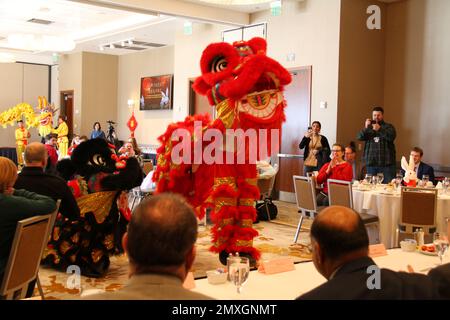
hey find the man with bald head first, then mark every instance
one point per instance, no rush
(33, 178)
(340, 253)
(160, 245)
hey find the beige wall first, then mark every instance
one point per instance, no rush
(416, 76)
(187, 61)
(20, 83)
(70, 78)
(182, 60)
(131, 68)
(99, 87)
(361, 70)
(316, 26)
(310, 30)
(93, 78)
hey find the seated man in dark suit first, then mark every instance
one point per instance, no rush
(160, 245)
(340, 253)
(421, 167)
(33, 178)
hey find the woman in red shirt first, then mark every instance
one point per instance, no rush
(337, 168)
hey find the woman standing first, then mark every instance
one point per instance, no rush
(16, 205)
(337, 168)
(97, 132)
(317, 149)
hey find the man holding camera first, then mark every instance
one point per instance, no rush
(379, 150)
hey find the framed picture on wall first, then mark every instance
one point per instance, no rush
(156, 93)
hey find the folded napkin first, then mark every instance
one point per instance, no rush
(439, 185)
(367, 200)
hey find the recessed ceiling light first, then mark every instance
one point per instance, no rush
(111, 46)
(122, 43)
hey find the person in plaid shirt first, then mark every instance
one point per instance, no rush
(379, 150)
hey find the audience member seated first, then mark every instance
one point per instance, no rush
(50, 146)
(160, 245)
(420, 167)
(337, 168)
(33, 178)
(75, 142)
(350, 157)
(16, 205)
(130, 149)
(340, 247)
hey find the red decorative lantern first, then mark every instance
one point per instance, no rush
(132, 124)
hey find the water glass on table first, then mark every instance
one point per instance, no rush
(398, 181)
(425, 179)
(446, 184)
(368, 179)
(239, 271)
(380, 176)
(440, 241)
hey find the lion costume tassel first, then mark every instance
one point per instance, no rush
(246, 88)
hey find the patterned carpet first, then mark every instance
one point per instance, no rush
(275, 239)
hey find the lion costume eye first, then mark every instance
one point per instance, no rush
(98, 160)
(219, 64)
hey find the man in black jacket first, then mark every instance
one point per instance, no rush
(420, 167)
(340, 253)
(33, 178)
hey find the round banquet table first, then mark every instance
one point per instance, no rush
(387, 207)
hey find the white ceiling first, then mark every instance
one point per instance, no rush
(248, 6)
(92, 26)
(89, 26)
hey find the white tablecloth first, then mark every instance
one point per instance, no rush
(387, 208)
(289, 285)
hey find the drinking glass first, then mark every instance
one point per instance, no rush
(374, 182)
(380, 176)
(368, 178)
(239, 271)
(446, 184)
(398, 180)
(425, 179)
(441, 243)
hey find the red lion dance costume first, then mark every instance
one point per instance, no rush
(245, 86)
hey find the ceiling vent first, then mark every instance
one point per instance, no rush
(40, 21)
(147, 44)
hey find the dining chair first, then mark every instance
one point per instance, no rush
(265, 187)
(54, 214)
(22, 268)
(305, 195)
(418, 207)
(340, 194)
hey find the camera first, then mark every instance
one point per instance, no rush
(373, 122)
(110, 122)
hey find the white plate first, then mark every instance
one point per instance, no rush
(428, 253)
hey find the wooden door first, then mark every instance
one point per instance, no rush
(67, 110)
(298, 114)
